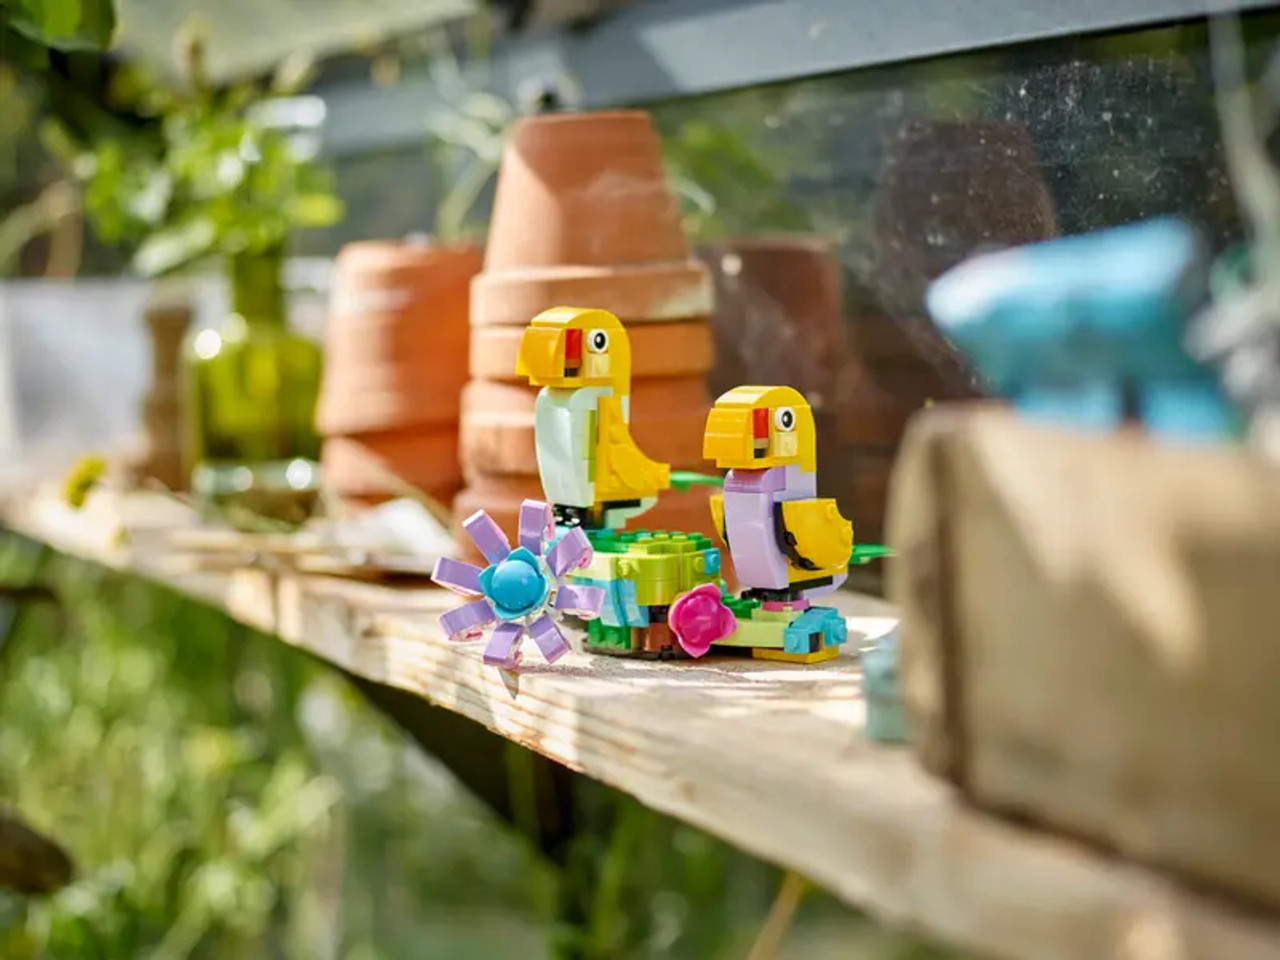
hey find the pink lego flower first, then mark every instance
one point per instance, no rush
(700, 618)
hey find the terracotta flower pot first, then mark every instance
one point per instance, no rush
(668, 417)
(583, 216)
(369, 466)
(657, 350)
(778, 314)
(396, 341)
(396, 360)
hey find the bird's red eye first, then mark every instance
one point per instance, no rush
(760, 424)
(573, 347)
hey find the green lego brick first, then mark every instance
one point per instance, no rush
(606, 637)
(776, 616)
(741, 607)
(656, 576)
(756, 633)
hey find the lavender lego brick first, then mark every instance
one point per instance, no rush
(749, 517)
(572, 551)
(580, 600)
(549, 639)
(488, 536)
(468, 621)
(503, 649)
(537, 526)
(457, 576)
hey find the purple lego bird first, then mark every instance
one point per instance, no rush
(786, 542)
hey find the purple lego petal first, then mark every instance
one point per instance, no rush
(504, 646)
(488, 536)
(537, 525)
(580, 600)
(572, 551)
(468, 621)
(549, 639)
(457, 576)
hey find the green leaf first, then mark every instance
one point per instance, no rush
(21, 49)
(316, 210)
(175, 247)
(97, 24)
(64, 24)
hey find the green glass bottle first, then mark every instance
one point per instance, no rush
(251, 389)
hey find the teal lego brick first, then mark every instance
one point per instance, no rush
(711, 562)
(630, 612)
(886, 719)
(823, 623)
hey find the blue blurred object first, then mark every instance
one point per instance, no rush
(886, 719)
(1089, 330)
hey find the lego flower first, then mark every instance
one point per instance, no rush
(521, 590)
(699, 618)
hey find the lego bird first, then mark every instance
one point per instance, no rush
(592, 472)
(787, 543)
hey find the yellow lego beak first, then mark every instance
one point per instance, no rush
(540, 356)
(728, 439)
(559, 357)
(746, 438)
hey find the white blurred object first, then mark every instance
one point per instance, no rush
(399, 528)
(74, 365)
(75, 358)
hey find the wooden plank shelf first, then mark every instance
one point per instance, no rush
(770, 757)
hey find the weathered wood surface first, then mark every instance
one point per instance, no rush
(1091, 630)
(770, 757)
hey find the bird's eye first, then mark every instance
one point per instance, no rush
(598, 341)
(784, 418)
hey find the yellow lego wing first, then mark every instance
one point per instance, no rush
(623, 472)
(818, 532)
(717, 516)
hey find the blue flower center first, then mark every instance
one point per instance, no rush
(516, 585)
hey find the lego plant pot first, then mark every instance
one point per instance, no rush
(251, 385)
(396, 361)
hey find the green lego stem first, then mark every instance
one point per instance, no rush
(684, 479)
(866, 552)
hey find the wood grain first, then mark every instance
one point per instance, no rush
(768, 756)
(1092, 642)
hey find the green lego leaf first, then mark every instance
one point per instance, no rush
(866, 552)
(684, 479)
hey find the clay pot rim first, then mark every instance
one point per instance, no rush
(672, 290)
(629, 271)
(813, 242)
(585, 116)
(394, 253)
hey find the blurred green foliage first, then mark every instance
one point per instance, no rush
(731, 182)
(29, 27)
(214, 173)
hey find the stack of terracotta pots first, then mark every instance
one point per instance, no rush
(395, 362)
(779, 319)
(583, 218)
